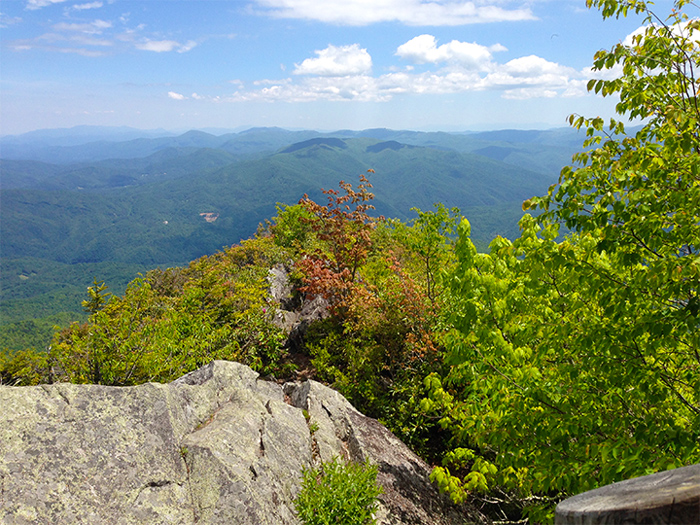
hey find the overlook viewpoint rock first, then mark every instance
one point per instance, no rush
(218, 445)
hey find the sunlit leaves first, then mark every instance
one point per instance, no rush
(576, 363)
(171, 322)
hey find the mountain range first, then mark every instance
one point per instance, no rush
(107, 203)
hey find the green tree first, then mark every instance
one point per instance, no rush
(173, 321)
(97, 297)
(430, 239)
(576, 363)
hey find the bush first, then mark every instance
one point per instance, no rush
(338, 493)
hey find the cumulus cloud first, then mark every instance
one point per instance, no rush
(423, 49)
(38, 4)
(344, 73)
(408, 12)
(679, 30)
(532, 76)
(94, 27)
(89, 5)
(629, 39)
(163, 46)
(533, 66)
(337, 62)
(176, 96)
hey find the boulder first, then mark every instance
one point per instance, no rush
(218, 445)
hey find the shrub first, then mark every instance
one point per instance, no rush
(338, 493)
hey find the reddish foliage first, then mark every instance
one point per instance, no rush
(345, 227)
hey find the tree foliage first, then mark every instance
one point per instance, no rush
(167, 323)
(552, 364)
(576, 363)
(380, 278)
(343, 227)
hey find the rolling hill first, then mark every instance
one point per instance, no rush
(166, 200)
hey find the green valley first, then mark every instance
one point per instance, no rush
(126, 207)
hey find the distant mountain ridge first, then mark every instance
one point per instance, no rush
(72, 213)
(78, 135)
(552, 147)
(247, 173)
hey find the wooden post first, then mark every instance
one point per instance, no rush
(669, 498)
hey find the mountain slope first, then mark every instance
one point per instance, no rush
(112, 218)
(152, 218)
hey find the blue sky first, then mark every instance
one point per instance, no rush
(316, 64)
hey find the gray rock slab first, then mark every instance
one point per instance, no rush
(217, 446)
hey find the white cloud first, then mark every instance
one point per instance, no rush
(187, 46)
(79, 41)
(408, 12)
(80, 51)
(158, 46)
(534, 77)
(6, 21)
(76, 39)
(38, 4)
(94, 27)
(527, 93)
(82, 37)
(532, 66)
(604, 74)
(176, 96)
(357, 88)
(269, 82)
(163, 46)
(678, 30)
(337, 62)
(433, 83)
(423, 49)
(343, 73)
(89, 5)
(628, 41)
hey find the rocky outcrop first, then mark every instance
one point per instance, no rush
(216, 446)
(293, 312)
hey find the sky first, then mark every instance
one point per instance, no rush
(450, 65)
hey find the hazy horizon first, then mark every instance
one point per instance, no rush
(241, 129)
(419, 65)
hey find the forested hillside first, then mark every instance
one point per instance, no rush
(558, 361)
(192, 194)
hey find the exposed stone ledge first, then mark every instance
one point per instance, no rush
(216, 446)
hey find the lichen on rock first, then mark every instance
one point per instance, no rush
(218, 445)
